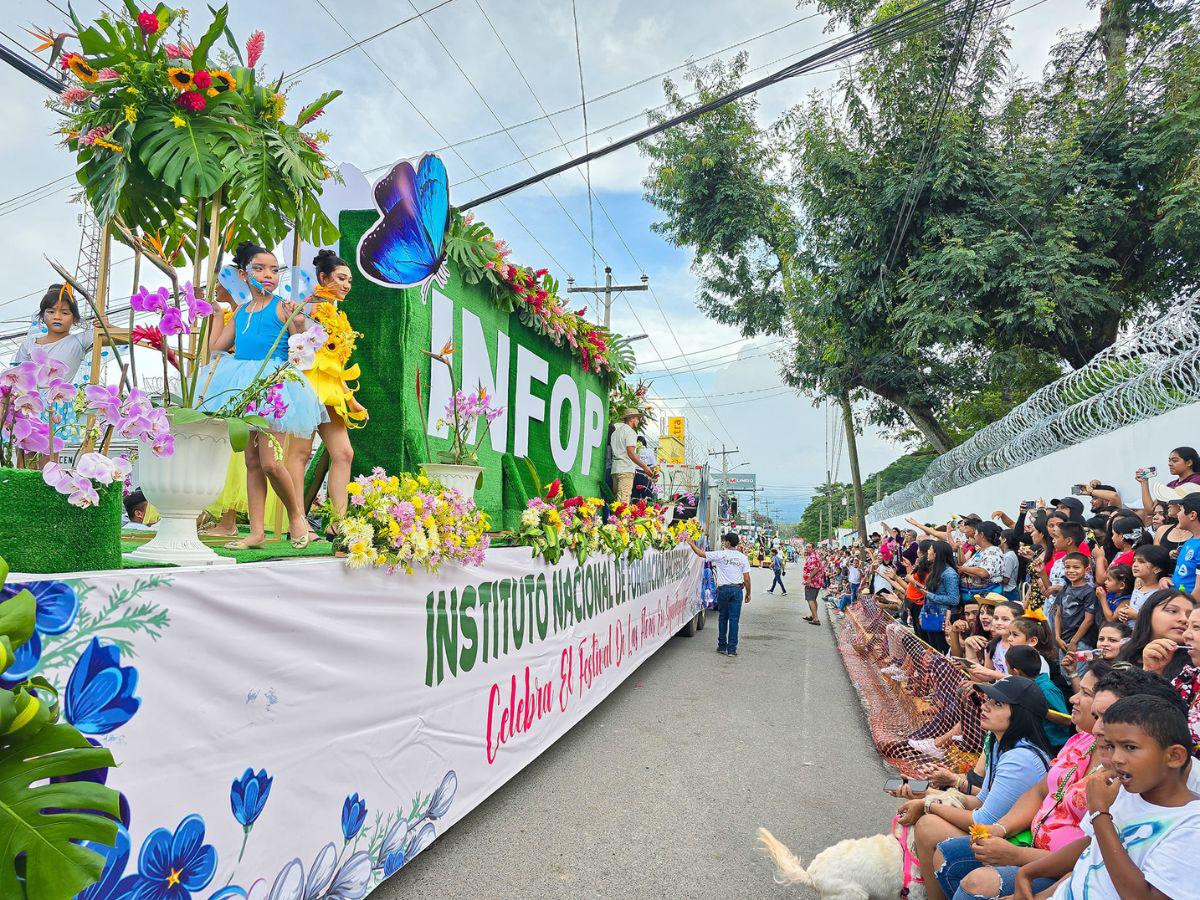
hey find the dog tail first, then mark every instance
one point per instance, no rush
(788, 868)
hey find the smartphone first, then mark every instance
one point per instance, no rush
(1028, 504)
(1149, 471)
(1085, 655)
(918, 787)
(892, 785)
(1077, 490)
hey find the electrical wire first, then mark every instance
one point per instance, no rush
(586, 145)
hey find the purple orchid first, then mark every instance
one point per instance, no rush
(172, 322)
(197, 307)
(145, 301)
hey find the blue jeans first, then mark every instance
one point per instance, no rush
(844, 601)
(960, 861)
(778, 581)
(729, 612)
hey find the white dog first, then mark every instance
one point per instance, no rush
(870, 868)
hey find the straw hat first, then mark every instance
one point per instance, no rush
(626, 413)
(991, 598)
(1172, 494)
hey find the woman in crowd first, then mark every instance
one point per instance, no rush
(1012, 570)
(984, 569)
(1016, 756)
(941, 593)
(1170, 535)
(257, 336)
(331, 380)
(1187, 682)
(1183, 463)
(990, 665)
(1162, 624)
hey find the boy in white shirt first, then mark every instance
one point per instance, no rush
(1143, 820)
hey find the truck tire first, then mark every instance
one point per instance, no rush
(689, 630)
(700, 620)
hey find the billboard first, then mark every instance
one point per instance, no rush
(741, 482)
(675, 427)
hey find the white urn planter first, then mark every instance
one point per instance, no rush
(181, 486)
(461, 478)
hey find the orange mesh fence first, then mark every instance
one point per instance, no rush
(920, 708)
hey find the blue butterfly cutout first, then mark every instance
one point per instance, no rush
(240, 291)
(407, 246)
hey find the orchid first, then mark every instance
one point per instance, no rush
(172, 322)
(197, 307)
(145, 301)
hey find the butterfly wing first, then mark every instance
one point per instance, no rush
(400, 250)
(238, 290)
(304, 286)
(433, 200)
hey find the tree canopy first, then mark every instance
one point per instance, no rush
(936, 235)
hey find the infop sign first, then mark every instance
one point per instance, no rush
(740, 482)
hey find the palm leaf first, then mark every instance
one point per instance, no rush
(215, 30)
(43, 822)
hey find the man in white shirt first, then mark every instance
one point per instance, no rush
(622, 448)
(731, 570)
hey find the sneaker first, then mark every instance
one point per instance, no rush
(927, 746)
(731, 653)
(720, 649)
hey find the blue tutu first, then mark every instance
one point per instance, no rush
(232, 375)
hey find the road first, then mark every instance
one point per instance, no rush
(659, 792)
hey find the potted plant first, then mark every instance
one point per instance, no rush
(183, 150)
(457, 467)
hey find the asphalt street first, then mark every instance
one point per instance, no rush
(660, 791)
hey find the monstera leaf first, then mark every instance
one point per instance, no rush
(195, 158)
(43, 823)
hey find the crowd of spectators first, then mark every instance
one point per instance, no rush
(1074, 629)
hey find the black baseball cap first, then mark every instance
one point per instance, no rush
(1016, 690)
(1074, 504)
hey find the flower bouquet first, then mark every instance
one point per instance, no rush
(401, 522)
(556, 524)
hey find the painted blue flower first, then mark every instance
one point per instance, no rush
(354, 813)
(99, 696)
(248, 795)
(111, 886)
(171, 866)
(57, 606)
(443, 796)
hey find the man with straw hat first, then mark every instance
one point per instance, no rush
(622, 448)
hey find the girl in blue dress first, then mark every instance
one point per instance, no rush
(255, 327)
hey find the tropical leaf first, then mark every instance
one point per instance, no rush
(239, 434)
(215, 30)
(190, 158)
(533, 473)
(316, 106)
(42, 822)
(229, 38)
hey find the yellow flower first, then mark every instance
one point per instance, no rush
(108, 145)
(321, 137)
(181, 79)
(353, 488)
(980, 833)
(278, 106)
(178, 121)
(80, 68)
(131, 115)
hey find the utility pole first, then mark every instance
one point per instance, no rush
(829, 500)
(724, 454)
(608, 289)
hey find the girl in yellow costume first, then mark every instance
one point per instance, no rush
(330, 379)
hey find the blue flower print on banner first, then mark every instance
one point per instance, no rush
(99, 697)
(57, 606)
(354, 813)
(327, 879)
(172, 866)
(443, 796)
(248, 795)
(402, 843)
(111, 885)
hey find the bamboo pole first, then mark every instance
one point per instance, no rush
(99, 304)
(137, 276)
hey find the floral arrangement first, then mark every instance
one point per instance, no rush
(27, 427)
(624, 395)
(462, 414)
(160, 124)
(405, 521)
(553, 524)
(481, 258)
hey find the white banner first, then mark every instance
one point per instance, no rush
(298, 731)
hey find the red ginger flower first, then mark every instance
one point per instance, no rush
(254, 48)
(192, 101)
(148, 22)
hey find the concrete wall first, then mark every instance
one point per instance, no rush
(1112, 458)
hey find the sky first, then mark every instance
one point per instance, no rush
(452, 76)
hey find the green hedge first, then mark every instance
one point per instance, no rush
(41, 533)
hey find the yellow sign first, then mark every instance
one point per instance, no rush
(670, 451)
(675, 426)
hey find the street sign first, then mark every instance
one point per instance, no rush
(741, 482)
(675, 426)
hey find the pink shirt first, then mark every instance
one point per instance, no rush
(1057, 824)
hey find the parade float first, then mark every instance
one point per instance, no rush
(303, 727)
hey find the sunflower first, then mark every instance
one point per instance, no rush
(79, 66)
(222, 81)
(181, 79)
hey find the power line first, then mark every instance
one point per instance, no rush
(901, 25)
(586, 147)
(359, 43)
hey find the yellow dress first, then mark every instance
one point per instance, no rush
(233, 495)
(330, 377)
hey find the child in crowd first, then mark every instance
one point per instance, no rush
(59, 313)
(1143, 823)
(1116, 590)
(1151, 567)
(1073, 622)
(1024, 660)
(1188, 560)
(137, 511)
